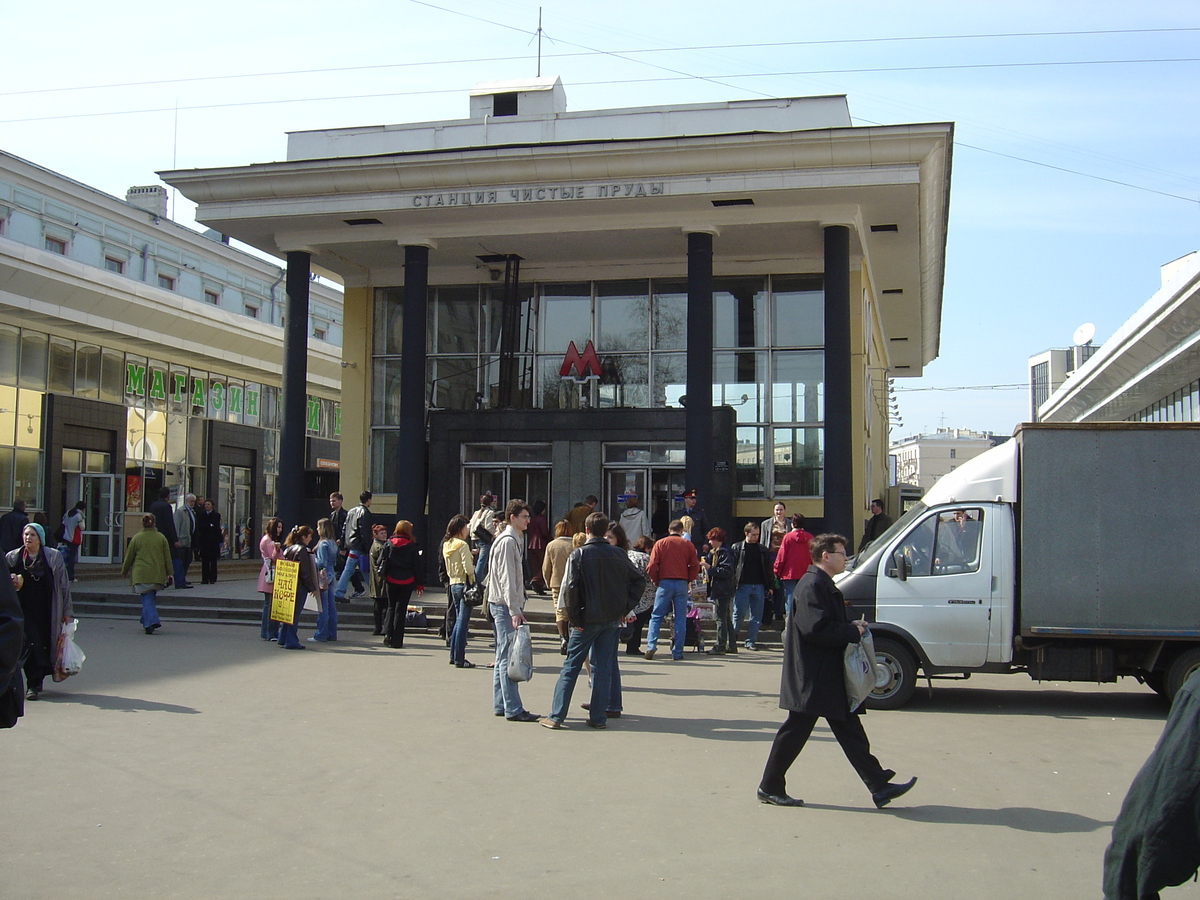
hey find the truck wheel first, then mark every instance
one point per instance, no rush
(1183, 666)
(895, 675)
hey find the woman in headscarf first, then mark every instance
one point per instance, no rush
(40, 578)
(148, 565)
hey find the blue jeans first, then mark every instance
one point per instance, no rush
(614, 693)
(69, 556)
(671, 596)
(270, 628)
(601, 640)
(149, 611)
(356, 561)
(462, 617)
(789, 585)
(327, 617)
(506, 699)
(481, 562)
(748, 607)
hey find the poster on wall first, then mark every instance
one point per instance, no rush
(133, 492)
(283, 593)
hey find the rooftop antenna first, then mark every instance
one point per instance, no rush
(539, 37)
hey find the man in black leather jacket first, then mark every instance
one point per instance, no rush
(601, 586)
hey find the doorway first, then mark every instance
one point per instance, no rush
(233, 503)
(87, 476)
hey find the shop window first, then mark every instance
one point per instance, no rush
(87, 371)
(62, 366)
(27, 477)
(34, 357)
(10, 352)
(112, 376)
(6, 478)
(8, 415)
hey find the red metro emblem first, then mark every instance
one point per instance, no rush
(586, 364)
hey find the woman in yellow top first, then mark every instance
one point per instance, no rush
(460, 569)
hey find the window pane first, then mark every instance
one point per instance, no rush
(623, 316)
(33, 360)
(670, 378)
(566, 316)
(798, 311)
(798, 389)
(87, 371)
(389, 321)
(670, 315)
(29, 418)
(62, 365)
(739, 312)
(6, 478)
(556, 392)
(737, 376)
(8, 415)
(452, 382)
(112, 376)
(493, 311)
(27, 477)
(454, 320)
(798, 459)
(384, 454)
(751, 477)
(10, 342)
(385, 393)
(624, 380)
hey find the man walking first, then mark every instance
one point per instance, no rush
(601, 588)
(506, 602)
(814, 681)
(358, 539)
(185, 530)
(673, 566)
(337, 517)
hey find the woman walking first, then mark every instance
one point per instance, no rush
(400, 565)
(639, 555)
(295, 548)
(208, 540)
(326, 559)
(148, 565)
(718, 565)
(39, 576)
(270, 548)
(460, 570)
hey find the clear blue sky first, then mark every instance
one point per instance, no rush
(1034, 251)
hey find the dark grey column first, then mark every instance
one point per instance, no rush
(698, 421)
(412, 453)
(289, 485)
(839, 456)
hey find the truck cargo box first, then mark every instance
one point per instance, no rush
(1110, 529)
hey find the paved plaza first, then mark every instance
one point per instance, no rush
(202, 762)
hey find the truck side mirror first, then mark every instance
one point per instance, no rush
(900, 566)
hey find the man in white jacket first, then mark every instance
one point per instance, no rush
(506, 602)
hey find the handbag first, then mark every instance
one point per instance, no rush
(322, 580)
(520, 656)
(860, 670)
(473, 595)
(269, 575)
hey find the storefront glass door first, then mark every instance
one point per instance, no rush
(100, 522)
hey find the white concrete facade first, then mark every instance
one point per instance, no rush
(922, 459)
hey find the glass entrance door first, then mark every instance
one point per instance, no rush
(100, 522)
(656, 488)
(233, 497)
(530, 484)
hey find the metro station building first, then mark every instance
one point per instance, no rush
(549, 304)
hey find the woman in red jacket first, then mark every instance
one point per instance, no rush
(793, 559)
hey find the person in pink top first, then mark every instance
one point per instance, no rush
(270, 548)
(793, 559)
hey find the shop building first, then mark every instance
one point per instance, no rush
(550, 304)
(136, 353)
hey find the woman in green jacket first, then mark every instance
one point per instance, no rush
(148, 565)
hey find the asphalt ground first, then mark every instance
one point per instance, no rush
(201, 762)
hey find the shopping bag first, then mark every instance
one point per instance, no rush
(860, 670)
(69, 659)
(520, 657)
(312, 603)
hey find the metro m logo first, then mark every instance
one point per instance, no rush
(586, 365)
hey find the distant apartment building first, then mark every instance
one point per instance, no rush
(924, 458)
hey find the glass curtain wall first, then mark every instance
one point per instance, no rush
(768, 335)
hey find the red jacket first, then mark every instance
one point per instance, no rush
(672, 557)
(793, 558)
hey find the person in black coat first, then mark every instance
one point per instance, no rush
(12, 638)
(208, 540)
(814, 681)
(399, 565)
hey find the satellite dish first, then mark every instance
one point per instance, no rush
(1084, 333)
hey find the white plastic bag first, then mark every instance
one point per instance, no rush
(520, 657)
(70, 657)
(860, 670)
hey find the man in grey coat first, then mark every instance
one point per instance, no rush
(814, 681)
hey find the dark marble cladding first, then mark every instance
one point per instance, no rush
(450, 429)
(81, 424)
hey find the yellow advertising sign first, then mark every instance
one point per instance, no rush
(283, 595)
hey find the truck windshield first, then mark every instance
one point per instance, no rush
(872, 549)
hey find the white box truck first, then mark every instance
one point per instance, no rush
(1070, 552)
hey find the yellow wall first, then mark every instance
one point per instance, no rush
(356, 398)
